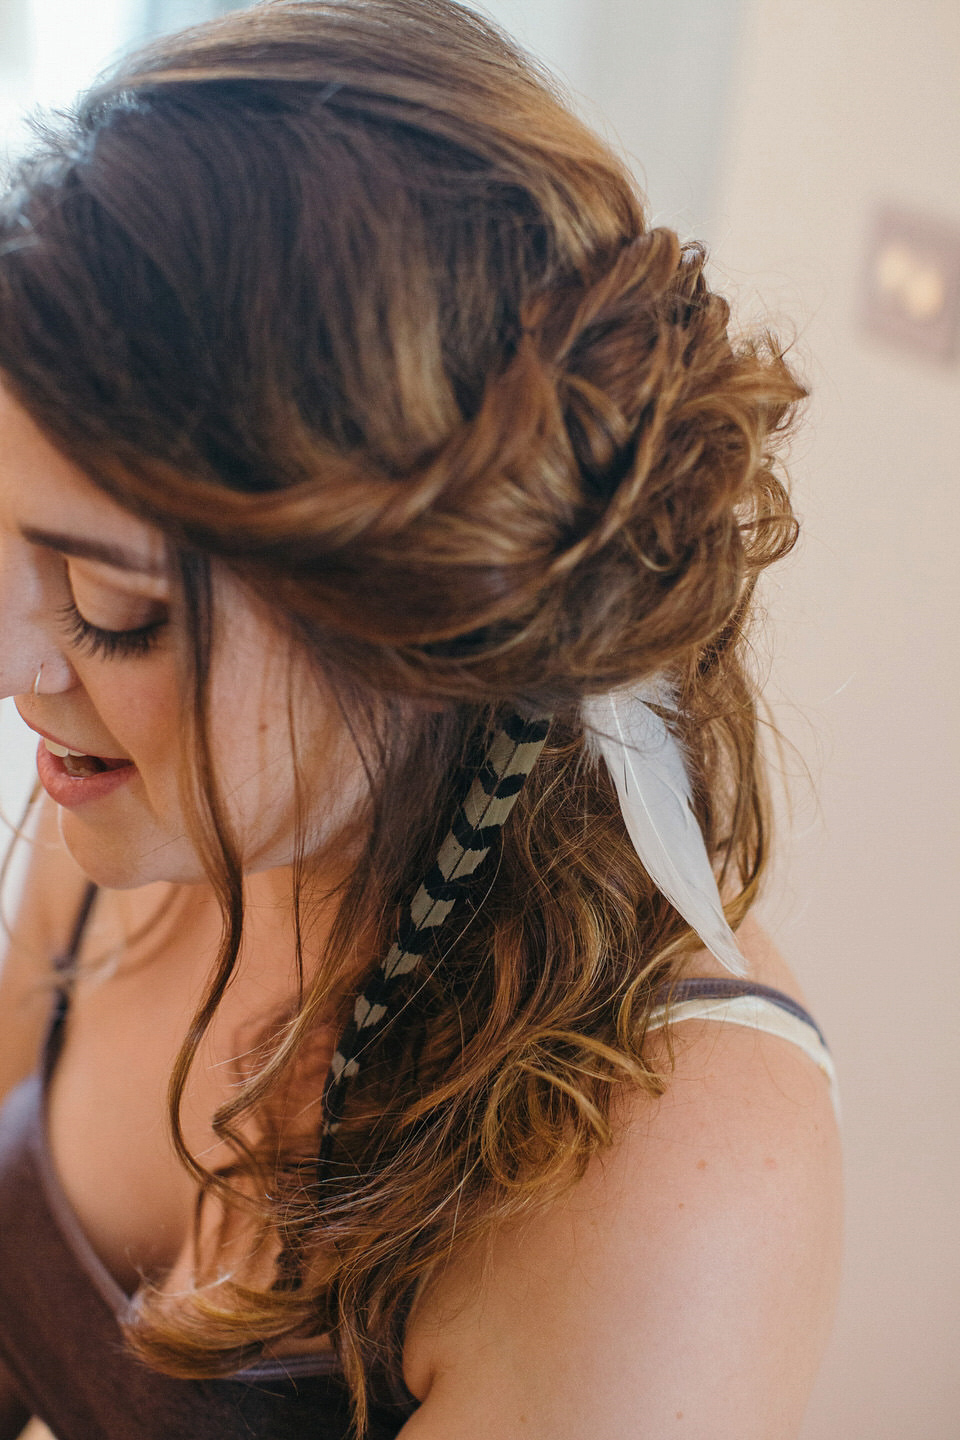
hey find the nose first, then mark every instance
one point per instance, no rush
(52, 675)
(32, 659)
(47, 681)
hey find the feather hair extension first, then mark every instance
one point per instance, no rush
(648, 770)
(510, 758)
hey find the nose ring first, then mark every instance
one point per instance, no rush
(36, 683)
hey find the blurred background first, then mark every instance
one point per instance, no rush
(815, 146)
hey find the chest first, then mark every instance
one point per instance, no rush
(108, 1118)
(110, 1142)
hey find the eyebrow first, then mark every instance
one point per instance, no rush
(98, 550)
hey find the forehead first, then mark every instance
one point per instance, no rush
(43, 490)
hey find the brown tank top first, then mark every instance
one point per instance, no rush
(60, 1314)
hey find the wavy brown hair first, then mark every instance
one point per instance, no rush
(345, 299)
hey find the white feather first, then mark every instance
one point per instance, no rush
(647, 767)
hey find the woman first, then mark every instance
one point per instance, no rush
(382, 502)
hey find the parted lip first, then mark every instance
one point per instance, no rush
(116, 759)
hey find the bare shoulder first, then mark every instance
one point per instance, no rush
(683, 1288)
(37, 925)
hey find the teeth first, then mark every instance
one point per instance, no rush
(61, 750)
(79, 766)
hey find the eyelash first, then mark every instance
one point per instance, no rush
(110, 644)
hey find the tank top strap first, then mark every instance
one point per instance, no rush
(751, 1005)
(722, 987)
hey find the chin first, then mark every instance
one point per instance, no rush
(115, 859)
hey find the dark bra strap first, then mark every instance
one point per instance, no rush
(64, 966)
(64, 963)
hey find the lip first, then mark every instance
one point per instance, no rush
(37, 730)
(70, 790)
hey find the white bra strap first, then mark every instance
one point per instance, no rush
(755, 1012)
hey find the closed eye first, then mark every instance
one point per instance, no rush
(110, 644)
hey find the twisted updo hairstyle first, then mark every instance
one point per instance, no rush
(340, 295)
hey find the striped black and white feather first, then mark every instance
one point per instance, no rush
(479, 820)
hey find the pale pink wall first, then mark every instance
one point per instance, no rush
(839, 105)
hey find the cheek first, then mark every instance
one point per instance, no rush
(250, 739)
(254, 758)
(140, 836)
(143, 712)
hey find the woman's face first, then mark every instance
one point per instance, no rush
(85, 593)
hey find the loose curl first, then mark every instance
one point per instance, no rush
(405, 358)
